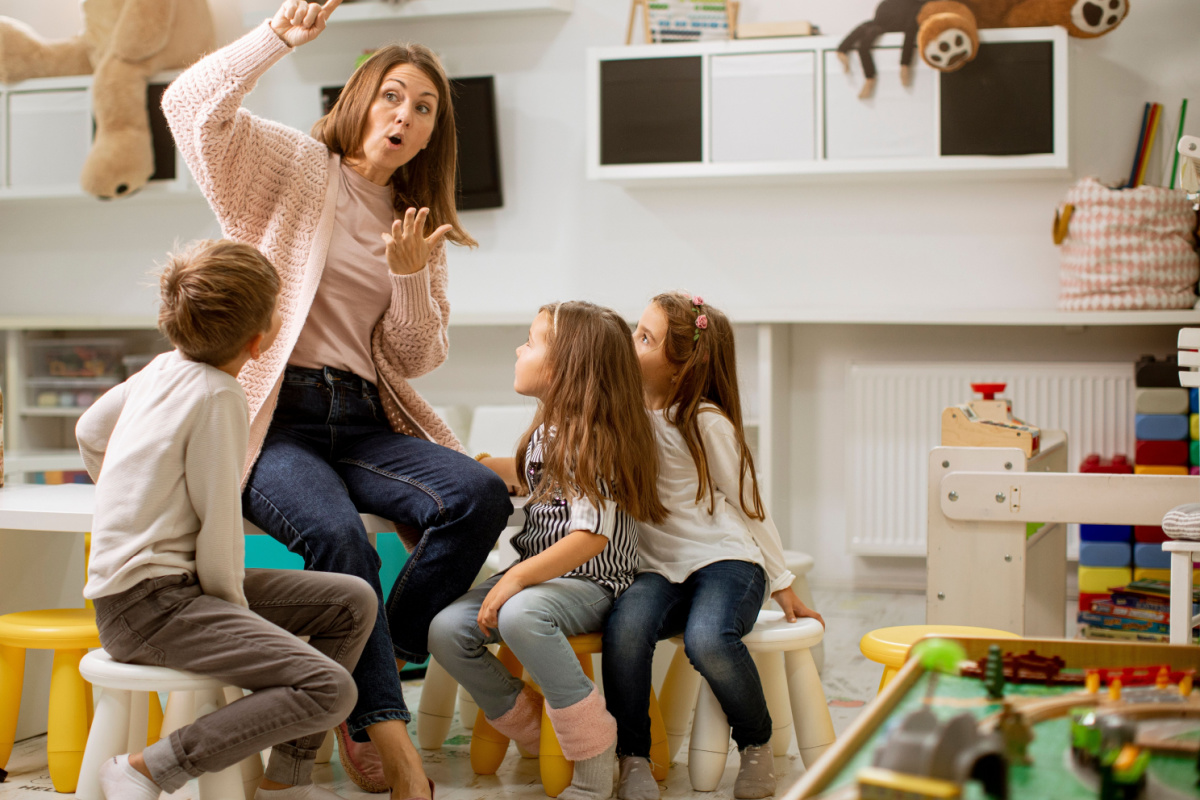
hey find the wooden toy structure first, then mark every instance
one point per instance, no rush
(1160, 721)
(985, 567)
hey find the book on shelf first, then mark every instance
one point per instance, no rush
(1109, 608)
(1094, 620)
(1092, 632)
(766, 30)
(1155, 588)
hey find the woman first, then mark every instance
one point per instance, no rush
(335, 427)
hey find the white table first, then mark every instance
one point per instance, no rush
(1183, 552)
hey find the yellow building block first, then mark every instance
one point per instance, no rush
(1194, 425)
(1141, 469)
(1098, 580)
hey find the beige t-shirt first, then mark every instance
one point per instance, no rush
(356, 285)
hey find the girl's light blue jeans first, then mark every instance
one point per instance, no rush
(535, 624)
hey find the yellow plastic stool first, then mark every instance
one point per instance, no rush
(488, 745)
(889, 646)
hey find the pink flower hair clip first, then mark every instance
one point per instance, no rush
(701, 319)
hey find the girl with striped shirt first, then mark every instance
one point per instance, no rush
(590, 464)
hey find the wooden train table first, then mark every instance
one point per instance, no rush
(1059, 728)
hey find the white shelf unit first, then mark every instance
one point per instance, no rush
(41, 438)
(61, 141)
(833, 96)
(383, 10)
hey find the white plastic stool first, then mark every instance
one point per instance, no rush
(801, 564)
(782, 654)
(120, 722)
(435, 713)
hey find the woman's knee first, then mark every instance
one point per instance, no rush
(483, 496)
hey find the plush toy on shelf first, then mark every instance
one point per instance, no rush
(123, 43)
(891, 16)
(949, 29)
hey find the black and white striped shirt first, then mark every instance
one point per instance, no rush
(550, 520)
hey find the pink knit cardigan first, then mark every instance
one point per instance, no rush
(277, 188)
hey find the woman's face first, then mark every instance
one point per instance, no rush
(532, 378)
(649, 339)
(399, 123)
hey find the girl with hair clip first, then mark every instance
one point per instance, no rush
(706, 570)
(589, 462)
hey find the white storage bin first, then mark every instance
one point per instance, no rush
(49, 134)
(764, 107)
(898, 122)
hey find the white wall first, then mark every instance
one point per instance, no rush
(909, 241)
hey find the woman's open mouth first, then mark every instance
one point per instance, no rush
(396, 140)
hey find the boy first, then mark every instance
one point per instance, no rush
(166, 450)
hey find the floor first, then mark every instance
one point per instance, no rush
(849, 680)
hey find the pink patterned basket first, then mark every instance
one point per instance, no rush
(1128, 249)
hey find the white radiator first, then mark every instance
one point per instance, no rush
(894, 418)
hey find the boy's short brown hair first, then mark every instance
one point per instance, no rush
(215, 296)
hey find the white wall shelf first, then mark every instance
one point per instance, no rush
(43, 146)
(741, 86)
(382, 11)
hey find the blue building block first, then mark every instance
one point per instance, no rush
(1194, 400)
(1161, 427)
(1151, 556)
(1105, 554)
(1106, 533)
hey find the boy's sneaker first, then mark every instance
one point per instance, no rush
(119, 781)
(361, 761)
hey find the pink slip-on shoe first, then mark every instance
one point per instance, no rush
(361, 761)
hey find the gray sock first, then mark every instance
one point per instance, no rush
(636, 781)
(593, 778)
(756, 776)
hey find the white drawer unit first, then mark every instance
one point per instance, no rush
(49, 133)
(764, 107)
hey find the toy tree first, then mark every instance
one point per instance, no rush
(993, 673)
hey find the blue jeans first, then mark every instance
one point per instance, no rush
(330, 455)
(535, 624)
(714, 608)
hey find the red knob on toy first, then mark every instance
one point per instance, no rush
(988, 390)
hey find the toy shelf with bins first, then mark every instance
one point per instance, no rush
(46, 130)
(382, 10)
(771, 109)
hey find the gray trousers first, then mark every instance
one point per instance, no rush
(300, 690)
(535, 623)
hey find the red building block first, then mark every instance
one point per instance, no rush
(1117, 464)
(1162, 454)
(1149, 534)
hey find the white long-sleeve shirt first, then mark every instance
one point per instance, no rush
(691, 537)
(165, 449)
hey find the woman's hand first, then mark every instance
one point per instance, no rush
(501, 593)
(793, 607)
(298, 22)
(408, 248)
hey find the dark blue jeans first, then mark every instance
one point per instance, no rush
(330, 455)
(714, 608)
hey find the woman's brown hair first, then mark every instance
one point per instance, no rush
(429, 179)
(599, 441)
(707, 363)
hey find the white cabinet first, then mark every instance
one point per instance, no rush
(784, 108)
(764, 107)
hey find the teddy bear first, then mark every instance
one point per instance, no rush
(123, 43)
(948, 36)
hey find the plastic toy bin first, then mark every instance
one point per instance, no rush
(71, 373)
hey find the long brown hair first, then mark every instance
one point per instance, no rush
(707, 373)
(599, 440)
(429, 179)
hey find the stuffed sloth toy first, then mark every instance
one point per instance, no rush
(949, 29)
(124, 43)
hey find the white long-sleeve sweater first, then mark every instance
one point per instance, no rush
(165, 449)
(691, 537)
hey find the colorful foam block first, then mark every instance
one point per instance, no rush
(1194, 426)
(1149, 556)
(1194, 470)
(1117, 464)
(1096, 580)
(1194, 452)
(1150, 534)
(1106, 533)
(1161, 401)
(1194, 400)
(1086, 600)
(1106, 554)
(1160, 427)
(1141, 469)
(1163, 454)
